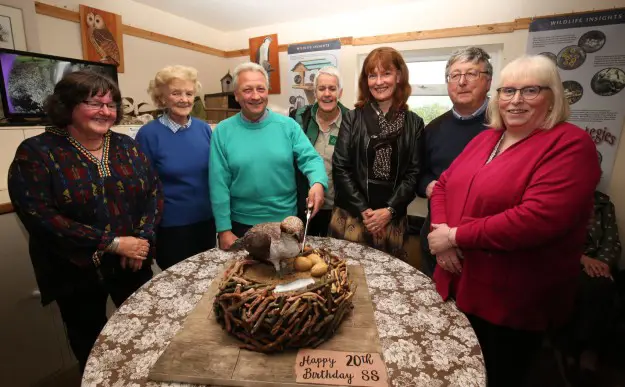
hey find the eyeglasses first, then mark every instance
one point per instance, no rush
(469, 76)
(95, 105)
(527, 92)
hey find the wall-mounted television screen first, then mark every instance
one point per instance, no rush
(28, 78)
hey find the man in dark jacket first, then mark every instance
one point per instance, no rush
(321, 123)
(468, 74)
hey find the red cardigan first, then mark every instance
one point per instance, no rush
(521, 225)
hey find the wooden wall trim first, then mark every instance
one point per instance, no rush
(73, 16)
(6, 208)
(454, 32)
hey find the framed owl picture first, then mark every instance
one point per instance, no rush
(102, 39)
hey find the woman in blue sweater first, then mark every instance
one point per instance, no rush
(178, 147)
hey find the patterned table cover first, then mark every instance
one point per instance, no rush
(426, 342)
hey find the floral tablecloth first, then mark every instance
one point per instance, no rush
(426, 342)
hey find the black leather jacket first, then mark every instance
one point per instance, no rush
(349, 163)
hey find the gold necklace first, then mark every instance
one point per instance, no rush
(96, 149)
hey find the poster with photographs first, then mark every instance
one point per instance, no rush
(305, 60)
(589, 53)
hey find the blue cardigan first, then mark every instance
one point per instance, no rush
(181, 160)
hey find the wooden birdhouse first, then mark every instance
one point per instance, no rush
(227, 84)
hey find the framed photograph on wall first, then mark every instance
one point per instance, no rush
(12, 34)
(102, 39)
(264, 51)
(6, 33)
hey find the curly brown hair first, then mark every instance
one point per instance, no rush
(387, 58)
(74, 89)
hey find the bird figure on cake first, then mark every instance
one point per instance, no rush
(272, 242)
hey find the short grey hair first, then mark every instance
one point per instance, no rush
(544, 70)
(248, 66)
(470, 54)
(329, 70)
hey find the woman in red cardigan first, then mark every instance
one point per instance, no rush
(509, 218)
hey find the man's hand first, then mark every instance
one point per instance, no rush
(226, 239)
(595, 268)
(448, 260)
(377, 220)
(133, 248)
(430, 188)
(315, 198)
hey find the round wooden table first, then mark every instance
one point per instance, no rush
(425, 341)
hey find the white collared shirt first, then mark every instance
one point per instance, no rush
(476, 113)
(174, 126)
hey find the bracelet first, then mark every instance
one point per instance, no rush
(111, 248)
(449, 238)
(392, 211)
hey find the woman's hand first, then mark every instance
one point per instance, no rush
(448, 260)
(376, 220)
(595, 268)
(226, 239)
(133, 248)
(441, 238)
(132, 264)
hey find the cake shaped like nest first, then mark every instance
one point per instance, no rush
(267, 321)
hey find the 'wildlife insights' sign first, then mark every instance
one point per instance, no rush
(589, 52)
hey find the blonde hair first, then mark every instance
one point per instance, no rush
(165, 76)
(544, 70)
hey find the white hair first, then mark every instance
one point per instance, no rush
(156, 88)
(329, 70)
(248, 66)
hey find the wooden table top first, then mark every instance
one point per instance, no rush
(425, 341)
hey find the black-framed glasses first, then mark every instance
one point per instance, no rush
(95, 105)
(469, 76)
(527, 92)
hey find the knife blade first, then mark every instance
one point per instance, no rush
(308, 212)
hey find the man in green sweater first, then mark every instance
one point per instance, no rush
(252, 162)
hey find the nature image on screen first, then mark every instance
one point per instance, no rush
(29, 80)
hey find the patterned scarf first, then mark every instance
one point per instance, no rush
(383, 151)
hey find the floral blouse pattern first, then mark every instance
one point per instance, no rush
(425, 341)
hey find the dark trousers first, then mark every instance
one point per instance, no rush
(594, 319)
(319, 225)
(175, 244)
(239, 229)
(428, 261)
(508, 353)
(84, 309)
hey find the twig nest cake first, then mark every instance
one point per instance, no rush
(268, 316)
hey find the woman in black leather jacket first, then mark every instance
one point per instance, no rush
(377, 158)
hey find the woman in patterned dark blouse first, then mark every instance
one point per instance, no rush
(90, 201)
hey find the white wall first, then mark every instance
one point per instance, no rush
(415, 16)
